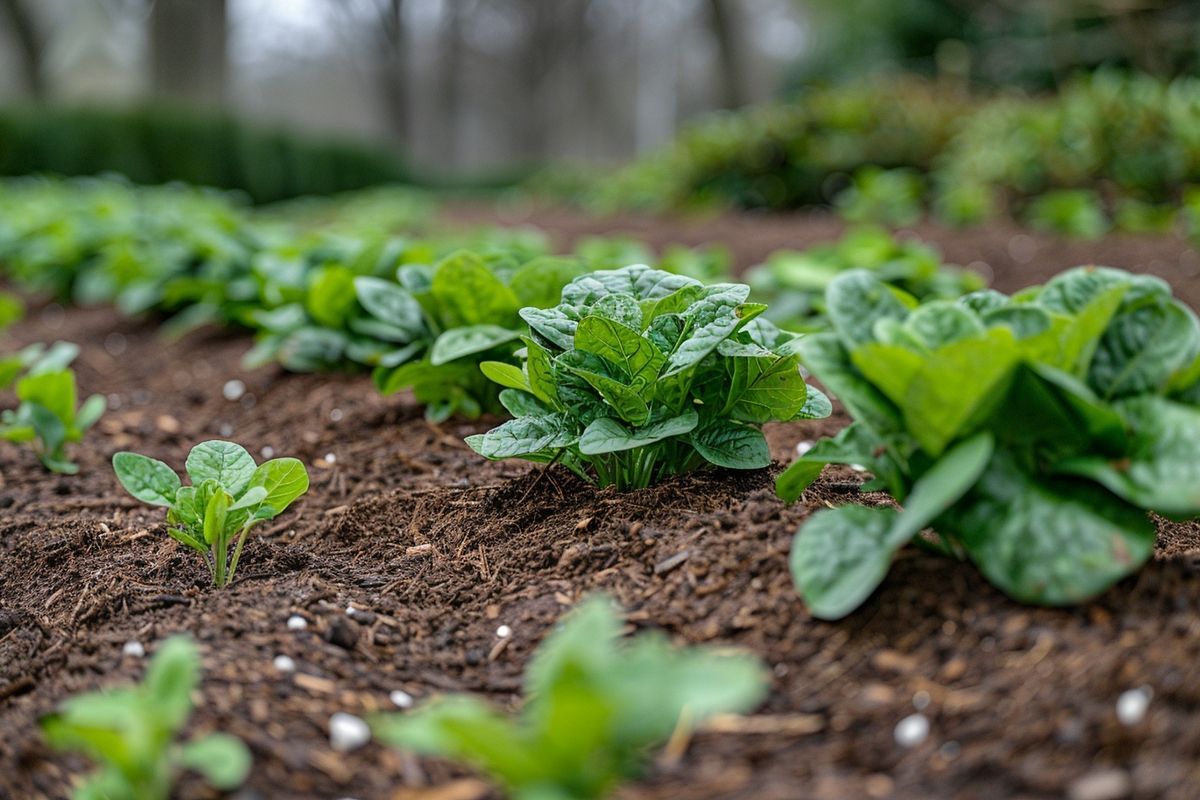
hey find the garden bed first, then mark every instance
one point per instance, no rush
(435, 549)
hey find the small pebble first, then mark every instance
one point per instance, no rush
(350, 611)
(858, 468)
(267, 452)
(226, 430)
(296, 623)
(1104, 784)
(804, 447)
(920, 700)
(1133, 704)
(912, 730)
(401, 699)
(330, 458)
(285, 664)
(347, 732)
(233, 390)
(336, 415)
(133, 649)
(504, 631)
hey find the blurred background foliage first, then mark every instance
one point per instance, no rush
(882, 108)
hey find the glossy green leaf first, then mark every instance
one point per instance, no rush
(524, 436)
(392, 305)
(728, 444)
(147, 479)
(608, 435)
(469, 340)
(227, 463)
(1050, 542)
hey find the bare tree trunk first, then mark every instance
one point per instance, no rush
(450, 73)
(723, 20)
(392, 69)
(188, 50)
(29, 46)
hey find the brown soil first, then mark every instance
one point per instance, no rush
(435, 548)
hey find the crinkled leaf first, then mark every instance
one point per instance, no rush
(1051, 542)
(525, 436)
(227, 463)
(728, 444)
(856, 300)
(1161, 468)
(622, 346)
(283, 479)
(840, 556)
(391, 304)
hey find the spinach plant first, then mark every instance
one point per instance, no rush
(455, 315)
(1032, 433)
(595, 706)
(639, 374)
(228, 496)
(131, 733)
(48, 416)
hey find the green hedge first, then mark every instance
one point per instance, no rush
(156, 145)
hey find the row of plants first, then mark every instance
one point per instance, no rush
(1110, 150)
(326, 290)
(638, 374)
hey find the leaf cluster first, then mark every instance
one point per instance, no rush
(594, 706)
(48, 415)
(793, 283)
(638, 374)
(1033, 433)
(228, 496)
(131, 733)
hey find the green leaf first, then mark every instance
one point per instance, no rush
(226, 463)
(607, 435)
(171, 677)
(555, 325)
(467, 293)
(505, 375)
(621, 346)
(1050, 542)
(1142, 348)
(216, 511)
(816, 405)
(942, 322)
(766, 389)
(712, 319)
(284, 480)
(540, 369)
(147, 479)
(840, 556)
(857, 300)
(539, 283)
(223, 760)
(728, 444)
(524, 436)
(946, 392)
(459, 342)
(1161, 469)
(331, 295)
(829, 361)
(54, 391)
(391, 304)
(90, 412)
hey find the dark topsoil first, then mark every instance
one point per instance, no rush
(435, 548)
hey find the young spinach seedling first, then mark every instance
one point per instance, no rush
(229, 495)
(48, 414)
(596, 706)
(131, 733)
